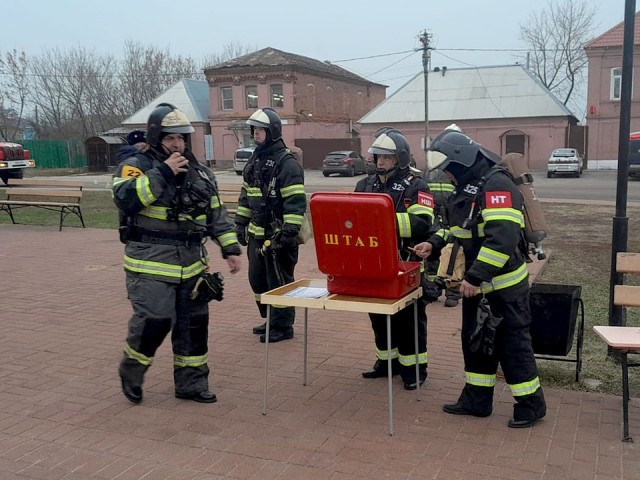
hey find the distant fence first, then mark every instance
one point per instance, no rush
(57, 153)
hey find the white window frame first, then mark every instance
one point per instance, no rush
(616, 84)
(251, 103)
(226, 103)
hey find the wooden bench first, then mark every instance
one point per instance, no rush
(624, 340)
(58, 196)
(229, 196)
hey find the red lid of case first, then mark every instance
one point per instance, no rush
(355, 234)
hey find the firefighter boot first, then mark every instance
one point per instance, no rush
(408, 374)
(260, 329)
(451, 302)
(131, 376)
(474, 401)
(380, 369)
(528, 410)
(277, 334)
(206, 396)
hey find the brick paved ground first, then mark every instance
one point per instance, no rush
(63, 322)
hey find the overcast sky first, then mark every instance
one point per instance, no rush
(334, 30)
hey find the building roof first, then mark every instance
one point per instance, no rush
(470, 93)
(272, 57)
(614, 36)
(190, 96)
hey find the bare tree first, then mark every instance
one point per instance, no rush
(556, 36)
(229, 51)
(14, 90)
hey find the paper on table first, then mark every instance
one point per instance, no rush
(307, 292)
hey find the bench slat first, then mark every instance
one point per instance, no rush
(38, 204)
(626, 295)
(24, 182)
(628, 262)
(27, 192)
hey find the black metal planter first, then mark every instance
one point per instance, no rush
(554, 311)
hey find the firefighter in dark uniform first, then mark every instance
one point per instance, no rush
(441, 188)
(271, 209)
(414, 220)
(486, 218)
(168, 205)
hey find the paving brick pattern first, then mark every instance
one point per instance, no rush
(62, 416)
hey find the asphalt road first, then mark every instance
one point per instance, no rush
(594, 186)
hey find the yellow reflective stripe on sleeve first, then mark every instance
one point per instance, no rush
(244, 212)
(480, 379)
(119, 180)
(417, 209)
(163, 269)
(404, 225)
(506, 280)
(288, 191)
(492, 257)
(227, 239)
(440, 187)
(137, 356)
(410, 360)
(143, 189)
(182, 361)
(293, 218)
(216, 202)
(255, 230)
(154, 211)
(459, 232)
(508, 214)
(253, 192)
(386, 354)
(525, 388)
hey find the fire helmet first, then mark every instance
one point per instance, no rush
(456, 147)
(268, 119)
(391, 142)
(167, 119)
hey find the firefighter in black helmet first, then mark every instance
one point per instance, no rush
(168, 205)
(270, 212)
(414, 220)
(486, 220)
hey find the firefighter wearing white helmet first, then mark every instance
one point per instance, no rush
(486, 222)
(271, 209)
(414, 220)
(168, 206)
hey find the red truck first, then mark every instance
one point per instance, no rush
(13, 160)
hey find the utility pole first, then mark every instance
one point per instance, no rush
(425, 40)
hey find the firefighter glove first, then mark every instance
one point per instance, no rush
(483, 338)
(286, 241)
(208, 287)
(241, 233)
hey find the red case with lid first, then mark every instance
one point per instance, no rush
(357, 246)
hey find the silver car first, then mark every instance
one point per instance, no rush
(564, 161)
(241, 157)
(344, 162)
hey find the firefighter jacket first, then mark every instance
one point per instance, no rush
(413, 205)
(486, 218)
(164, 218)
(441, 188)
(272, 199)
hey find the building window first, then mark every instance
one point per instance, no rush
(226, 98)
(277, 96)
(311, 97)
(329, 101)
(251, 93)
(616, 83)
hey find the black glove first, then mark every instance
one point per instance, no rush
(484, 336)
(208, 287)
(241, 233)
(286, 241)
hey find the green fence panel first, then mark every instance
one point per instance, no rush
(57, 153)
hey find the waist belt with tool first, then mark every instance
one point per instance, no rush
(165, 237)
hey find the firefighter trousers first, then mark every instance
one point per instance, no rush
(512, 350)
(268, 270)
(159, 308)
(402, 339)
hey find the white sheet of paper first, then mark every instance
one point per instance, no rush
(307, 292)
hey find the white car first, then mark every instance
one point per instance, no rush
(564, 161)
(241, 157)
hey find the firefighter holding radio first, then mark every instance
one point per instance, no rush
(486, 222)
(414, 221)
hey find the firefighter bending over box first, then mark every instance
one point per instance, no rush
(486, 222)
(414, 220)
